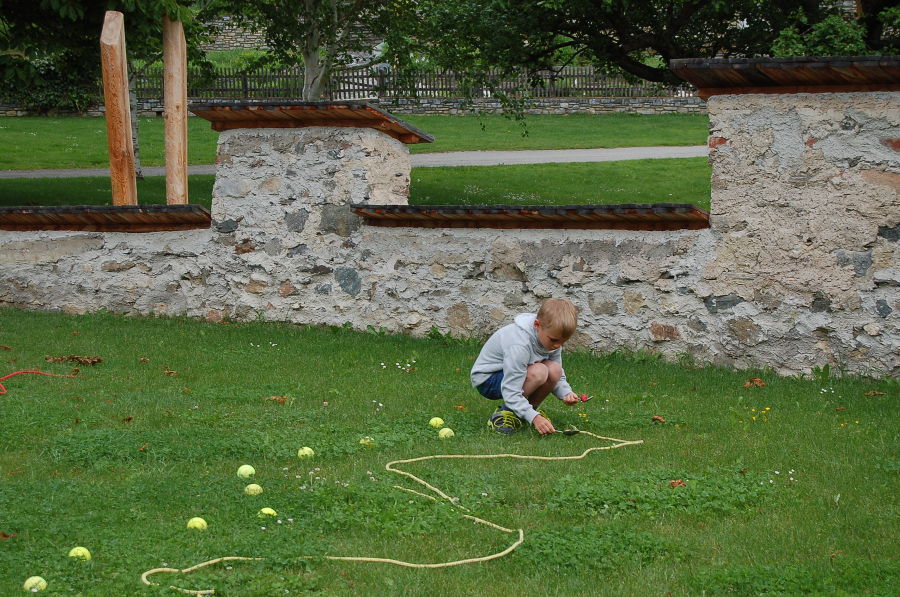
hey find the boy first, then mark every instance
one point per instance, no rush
(522, 362)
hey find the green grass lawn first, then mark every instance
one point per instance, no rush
(68, 142)
(742, 488)
(683, 180)
(94, 191)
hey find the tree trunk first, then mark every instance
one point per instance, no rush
(314, 73)
(135, 143)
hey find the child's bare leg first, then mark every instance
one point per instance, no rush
(540, 379)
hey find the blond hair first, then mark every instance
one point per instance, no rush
(559, 315)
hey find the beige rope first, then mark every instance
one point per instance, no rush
(390, 466)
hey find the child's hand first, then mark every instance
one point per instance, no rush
(571, 398)
(542, 425)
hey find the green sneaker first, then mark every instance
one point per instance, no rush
(504, 421)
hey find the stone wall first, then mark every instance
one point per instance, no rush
(454, 106)
(550, 105)
(232, 37)
(798, 270)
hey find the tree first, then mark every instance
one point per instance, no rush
(874, 29)
(322, 36)
(637, 37)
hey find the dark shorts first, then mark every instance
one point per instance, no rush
(491, 387)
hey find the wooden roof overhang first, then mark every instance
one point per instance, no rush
(265, 114)
(105, 218)
(805, 74)
(659, 216)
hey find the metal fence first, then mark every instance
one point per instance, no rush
(569, 81)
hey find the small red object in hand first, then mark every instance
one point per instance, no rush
(585, 397)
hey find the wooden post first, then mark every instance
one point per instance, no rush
(175, 115)
(118, 111)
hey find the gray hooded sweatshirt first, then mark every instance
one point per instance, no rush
(511, 349)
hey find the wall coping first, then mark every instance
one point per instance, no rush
(284, 114)
(803, 74)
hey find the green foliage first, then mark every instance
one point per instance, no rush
(833, 36)
(53, 47)
(639, 38)
(839, 33)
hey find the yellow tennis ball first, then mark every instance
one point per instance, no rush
(266, 512)
(253, 489)
(446, 433)
(34, 584)
(245, 471)
(436, 422)
(80, 552)
(305, 452)
(197, 523)
(367, 441)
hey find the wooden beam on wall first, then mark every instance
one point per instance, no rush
(118, 111)
(175, 114)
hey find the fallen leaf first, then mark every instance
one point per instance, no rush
(743, 471)
(6, 536)
(652, 383)
(657, 419)
(74, 358)
(874, 393)
(79, 399)
(76, 333)
(460, 407)
(755, 381)
(170, 372)
(4, 347)
(19, 472)
(143, 448)
(77, 421)
(278, 399)
(841, 408)
(128, 419)
(677, 483)
(144, 360)
(75, 371)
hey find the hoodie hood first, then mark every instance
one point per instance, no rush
(525, 322)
